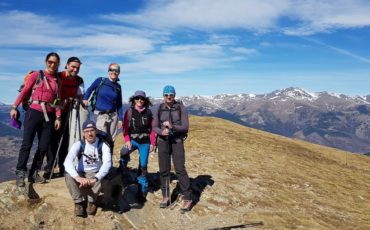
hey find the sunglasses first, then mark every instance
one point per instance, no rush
(114, 70)
(169, 95)
(140, 98)
(52, 62)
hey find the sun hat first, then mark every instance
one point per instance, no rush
(16, 123)
(139, 93)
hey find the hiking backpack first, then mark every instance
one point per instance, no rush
(103, 138)
(129, 115)
(27, 98)
(94, 95)
(177, 108)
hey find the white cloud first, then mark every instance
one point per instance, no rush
(243, 50)
(208, 14)
(323, 16)
(31, 30)
(224, 40)
(307, 16)
(181, 58)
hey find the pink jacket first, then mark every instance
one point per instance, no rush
(42, 92)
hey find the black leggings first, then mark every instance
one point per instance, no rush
(166, 149)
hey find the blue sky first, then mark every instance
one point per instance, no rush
(202, 47)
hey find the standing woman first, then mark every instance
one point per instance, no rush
(108, 107)
(138, 134)
(171, 124)
(42, 115)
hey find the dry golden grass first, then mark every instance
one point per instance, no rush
(258, 176)
(285, 183)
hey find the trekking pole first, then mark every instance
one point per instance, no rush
(78, 117)
(167, 190)
(59, 145)
(168, 181)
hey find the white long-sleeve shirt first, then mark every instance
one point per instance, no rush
(89, 162)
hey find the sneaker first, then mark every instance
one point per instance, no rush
(20, 178)
(186, 207)
(79, 209)
(91, 208)
(165, 202)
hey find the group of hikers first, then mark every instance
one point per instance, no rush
(57, 111)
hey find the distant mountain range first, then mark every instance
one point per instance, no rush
(330, 119)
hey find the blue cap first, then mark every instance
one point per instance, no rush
(88, 124)
(169, 89)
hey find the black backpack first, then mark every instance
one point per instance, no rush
(177, 108)
(94, 95)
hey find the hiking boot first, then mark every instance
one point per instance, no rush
(46, 175)
(186, 206)
(79, 209)
(36, 178)
(165, 202)
(91, 208)
(20, 178)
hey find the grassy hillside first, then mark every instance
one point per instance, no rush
(241, 176)
(282, 182)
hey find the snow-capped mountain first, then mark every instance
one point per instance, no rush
(331, 119)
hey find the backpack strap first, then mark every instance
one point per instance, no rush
(94, 98)
(40, 77)
(100, 149)
(129, 116)
(82, 149)
(83, 145)
(162, 108)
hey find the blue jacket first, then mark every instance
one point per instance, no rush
(109, 97)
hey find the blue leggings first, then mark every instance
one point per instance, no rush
(143, 162)
(143, 154)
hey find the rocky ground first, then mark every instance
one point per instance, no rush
(241, 177)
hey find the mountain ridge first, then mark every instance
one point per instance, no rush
(330, 119)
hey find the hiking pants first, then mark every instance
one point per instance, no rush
(34, 123)
(54, 144)
(81, 194)
(175, 148)
(53, 148)
(107, 122)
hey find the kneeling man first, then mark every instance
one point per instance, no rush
(93, 163)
